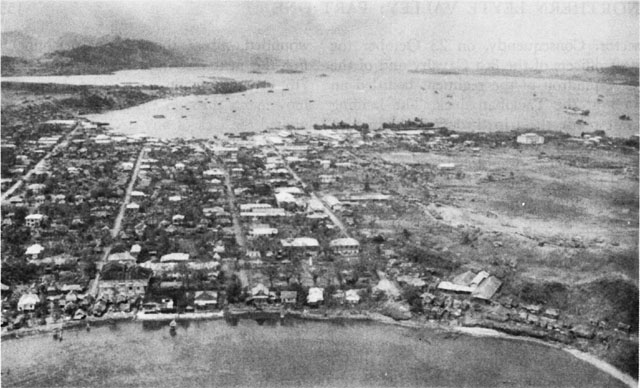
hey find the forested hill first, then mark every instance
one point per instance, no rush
(119, 54)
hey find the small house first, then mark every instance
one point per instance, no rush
(33, 251)
(34, 220)
(530, 138)
(352, 296)
(206, 300)
(288, 297)
(28, 302)
(316, 296)
(174, 258)
(259, 294)
(345, 246)
(122, 257)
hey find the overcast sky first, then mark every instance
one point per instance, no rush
(417, 34)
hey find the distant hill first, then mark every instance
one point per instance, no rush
(619, 75)
(19, 44)
(119, 54)
(221, 53)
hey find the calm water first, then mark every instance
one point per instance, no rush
(213, 353)
(476, 103)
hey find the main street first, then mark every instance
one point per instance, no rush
(336, 221)
(117, 225)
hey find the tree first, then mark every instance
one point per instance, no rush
(272, 273)
(412, 295)
(367, 185)
(234, 290)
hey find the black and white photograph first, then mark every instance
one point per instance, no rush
(319, 193)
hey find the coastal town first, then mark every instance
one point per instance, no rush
(324, 223)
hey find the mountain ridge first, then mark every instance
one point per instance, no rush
(119, 54)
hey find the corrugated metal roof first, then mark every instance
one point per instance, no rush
(487, 288)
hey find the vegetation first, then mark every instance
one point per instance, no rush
(120, 54)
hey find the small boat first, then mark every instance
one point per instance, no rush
(576, 111)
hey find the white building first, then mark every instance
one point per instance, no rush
(34, 250)
(174, 257)
(530, 138)
(345, 246)
(28, 302)
(34, 220)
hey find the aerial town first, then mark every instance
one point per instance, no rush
(100, 226)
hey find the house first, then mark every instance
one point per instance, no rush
(262, 231)
(333, 202)
(34, 251)
(178, 219)
(352, 296)
(487, 288)
(288, 297)
(250, 207)
(134, 207)
(131, 288)
(28, 302)
(174, 257)
(36, 188)
(315, 296)
(71, 288)
(306, 244)
(345, 246)
(327, 178)
(206, 300)
(34, 220)
(446, 166)
(135, 250)
(284, 199)
(16, 201)
(264, 212)
(479, 278)
(259, 294)
(374, 197)
(138, 194)
(387, 287)
(126, 166)
(452, 287)
(214, 173)
(121, 257)
(412, 281)
(314, 205)
(293, 190)
(530, 138)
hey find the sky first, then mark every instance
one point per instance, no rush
(444, 34)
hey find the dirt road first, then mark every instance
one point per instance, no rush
(61, 145)
(117, 225)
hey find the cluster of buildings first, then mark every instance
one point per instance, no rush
(285, 218)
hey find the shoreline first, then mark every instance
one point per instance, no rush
(334, 316)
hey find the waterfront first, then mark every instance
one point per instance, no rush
(298, 353)
(460, 102)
